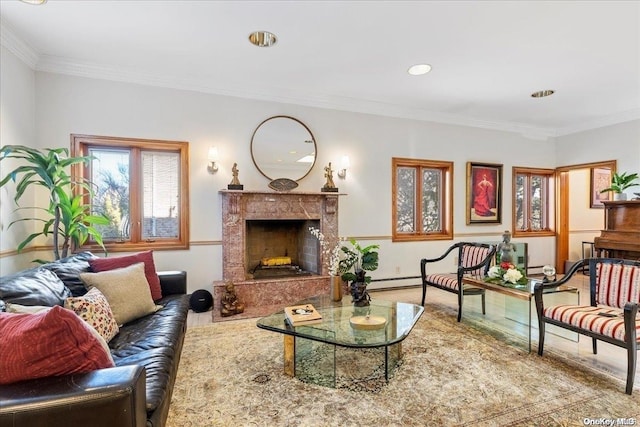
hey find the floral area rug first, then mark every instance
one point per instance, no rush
(231, 374)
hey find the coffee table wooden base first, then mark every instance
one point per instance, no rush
(290, 355)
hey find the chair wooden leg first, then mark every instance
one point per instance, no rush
(632, 354)
(484, 306)
(594, 343)
(541, 329)
(424, 293)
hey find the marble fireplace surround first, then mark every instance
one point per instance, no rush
(265, 296)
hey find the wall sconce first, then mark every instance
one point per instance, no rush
(342, 173)
(213, 158)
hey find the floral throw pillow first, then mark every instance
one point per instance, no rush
(94, 309)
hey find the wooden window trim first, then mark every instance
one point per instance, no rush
(79, 147)
(549, 174)
(447, 205)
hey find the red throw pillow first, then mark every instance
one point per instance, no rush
(51, 343)
(105, 264)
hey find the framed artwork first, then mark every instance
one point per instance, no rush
(600, 179)
(484, 193)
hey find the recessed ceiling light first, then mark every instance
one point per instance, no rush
(543, 93)
(34, 2)
(419, 69)
(263, 38)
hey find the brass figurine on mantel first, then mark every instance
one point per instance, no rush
(235, 182)
(329, 186)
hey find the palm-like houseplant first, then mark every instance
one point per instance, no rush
(620, 182)
(69, 219)
(358, 258)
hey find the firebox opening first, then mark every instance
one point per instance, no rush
(281, 248)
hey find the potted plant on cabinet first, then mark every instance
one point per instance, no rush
(619, 183)
(68, 218)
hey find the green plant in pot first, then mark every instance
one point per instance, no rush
(67, 219)
(619, 183)
(356, 262)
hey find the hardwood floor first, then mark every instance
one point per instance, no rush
(609, 357)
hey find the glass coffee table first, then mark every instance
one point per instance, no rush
(320, 352)
(525, 312)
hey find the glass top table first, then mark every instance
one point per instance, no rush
(563, 294)
(303, 343)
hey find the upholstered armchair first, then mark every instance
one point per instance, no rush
(612, 315)
(474, 259)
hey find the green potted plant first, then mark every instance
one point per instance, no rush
(619, 183)
(358, 258)
(68, 218)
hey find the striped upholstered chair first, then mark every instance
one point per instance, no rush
(474, 259)
(612, 315)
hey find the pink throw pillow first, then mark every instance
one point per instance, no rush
(51, 343)
(106, 264)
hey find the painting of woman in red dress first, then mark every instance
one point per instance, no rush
(483, 197)
(483, 192)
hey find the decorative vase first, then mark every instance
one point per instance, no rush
(619, 196)
(336, 288)
(359, 295)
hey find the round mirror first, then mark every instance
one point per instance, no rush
(283, 147)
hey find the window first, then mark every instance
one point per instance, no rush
(141, 186)
(422, 201)
(531, 201)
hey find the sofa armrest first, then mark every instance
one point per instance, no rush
(102, 398)
(173, 282)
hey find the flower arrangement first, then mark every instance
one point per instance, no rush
(506, 273)
(344, 257)
(332, 255)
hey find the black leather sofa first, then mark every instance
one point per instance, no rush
(146, 352)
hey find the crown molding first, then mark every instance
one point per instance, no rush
(64, 66)
(612, 119)
(15, 45)
(52, 64)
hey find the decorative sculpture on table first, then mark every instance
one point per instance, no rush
(235, 182)
(359, 295)
(230, 304)
(549, 272)
(329, 186)
(506, 249)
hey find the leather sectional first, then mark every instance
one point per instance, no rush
(146, 352)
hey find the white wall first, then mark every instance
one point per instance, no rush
(619, 142)
(67, 105)
(17, 119)
(585, 222)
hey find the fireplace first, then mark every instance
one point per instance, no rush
(277, 248)
(260, 225)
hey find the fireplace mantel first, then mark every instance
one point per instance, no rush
(240, 206)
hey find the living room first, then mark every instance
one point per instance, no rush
(48, 93)
(42, 109)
